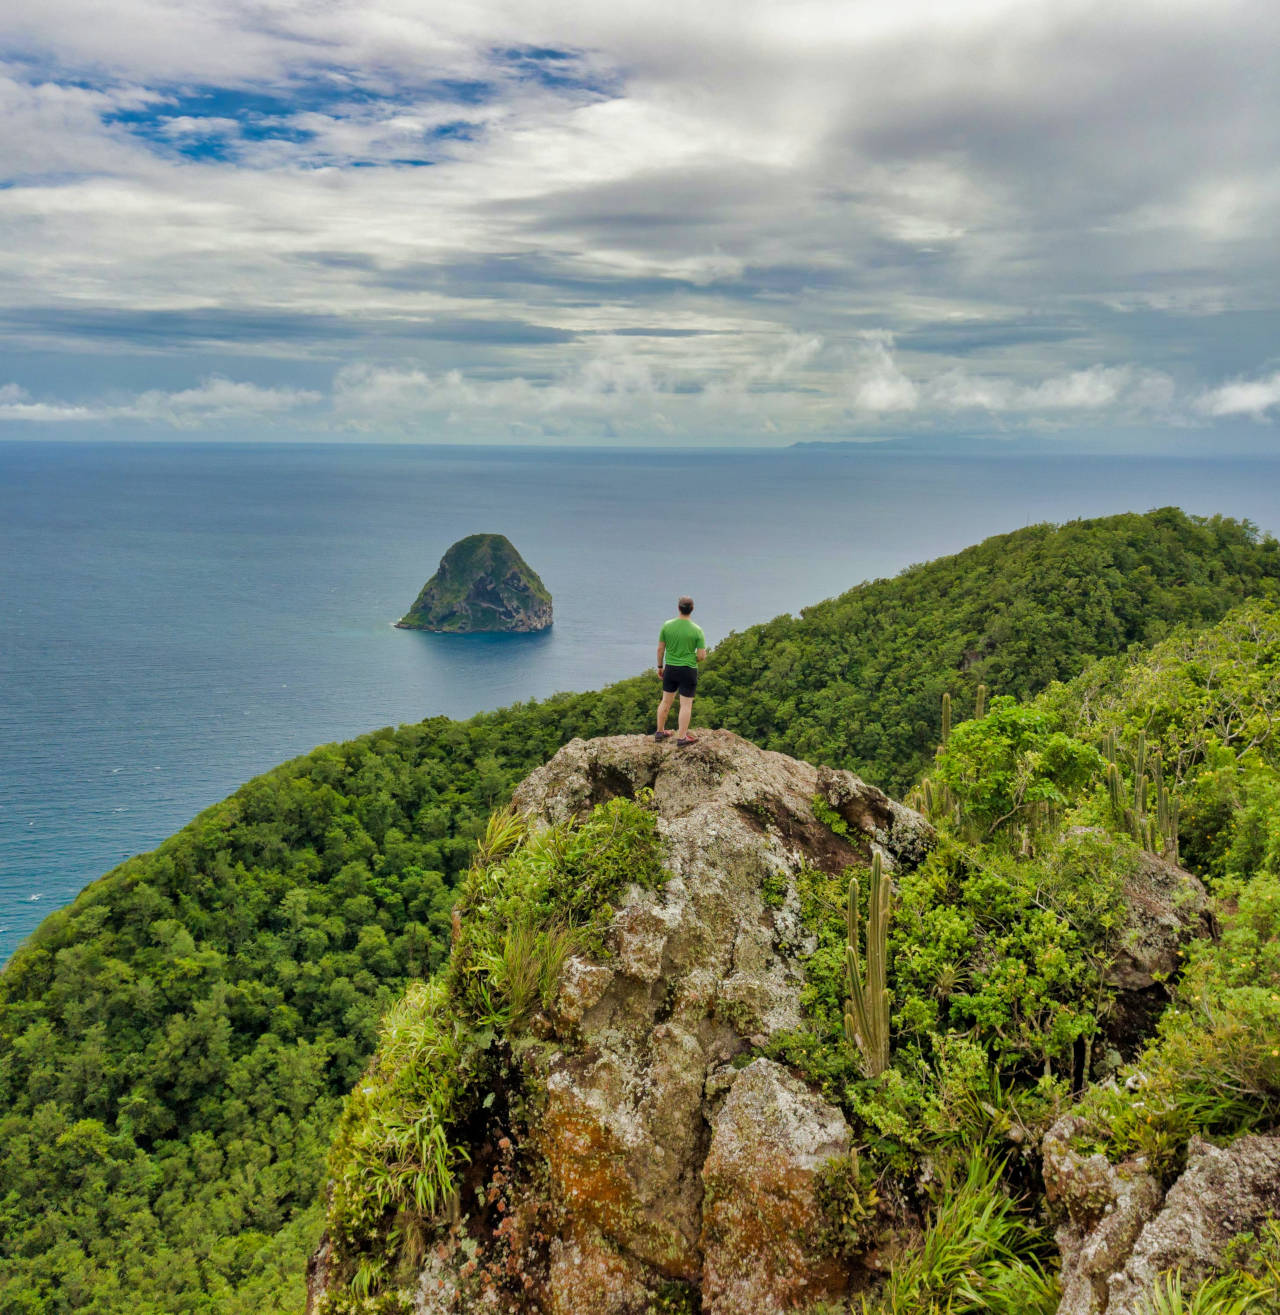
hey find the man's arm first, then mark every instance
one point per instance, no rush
(662, 652)
(702, 655)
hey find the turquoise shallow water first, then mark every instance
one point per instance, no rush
(177, 618)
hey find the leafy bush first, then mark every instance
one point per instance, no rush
(1012, 765)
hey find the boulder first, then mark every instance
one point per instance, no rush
(1165, 908)
(1222, 1193)
(1102, 1207)
(759, 1220)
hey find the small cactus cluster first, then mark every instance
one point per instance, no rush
(866, 1011)
(935, 800)
(1156, 832)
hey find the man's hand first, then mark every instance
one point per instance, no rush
(660, 671)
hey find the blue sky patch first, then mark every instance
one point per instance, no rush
(213, 123)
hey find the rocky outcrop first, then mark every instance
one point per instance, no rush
(1103, 1207)
(661, 1164)
(769, 1138)
(481, 585)
(1165, 908)
(1223, 1192)
(1119, 1233)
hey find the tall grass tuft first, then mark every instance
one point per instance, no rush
(979, 1254)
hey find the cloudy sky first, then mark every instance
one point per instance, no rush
(590, 221)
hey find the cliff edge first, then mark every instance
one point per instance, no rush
(597, 1108)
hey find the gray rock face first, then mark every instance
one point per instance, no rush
(1119, 1232)
(1166, 908)
(1222, 1193)
(665, 1164)
(1104, 1209)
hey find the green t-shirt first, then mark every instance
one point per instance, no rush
(683, 640)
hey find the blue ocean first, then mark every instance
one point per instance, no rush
(178, 618)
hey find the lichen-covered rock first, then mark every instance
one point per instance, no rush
(661, 1165)
(1223, 1192)
(759, 1220)
(898, 830)
(1165, 908)
(1102, 1209)
(1119, 1232)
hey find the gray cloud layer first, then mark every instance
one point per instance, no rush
(724, 222)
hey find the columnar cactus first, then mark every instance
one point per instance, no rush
(980, 703)
(866, 1011)
(1115, 789)
(946, 719)
(1158, 833)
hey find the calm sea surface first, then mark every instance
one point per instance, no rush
(178, 618)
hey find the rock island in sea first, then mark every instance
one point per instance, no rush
(481, 585)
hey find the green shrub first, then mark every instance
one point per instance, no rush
(1012, 766)
(848, 1206)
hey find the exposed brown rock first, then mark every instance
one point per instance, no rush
(759, 1221)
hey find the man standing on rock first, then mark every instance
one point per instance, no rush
(681, 646)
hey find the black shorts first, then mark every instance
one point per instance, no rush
(679, 680)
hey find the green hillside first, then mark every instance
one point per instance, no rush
(174, 1048)
(1057, 822)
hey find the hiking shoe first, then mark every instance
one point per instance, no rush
(687, 739)
(659, 736)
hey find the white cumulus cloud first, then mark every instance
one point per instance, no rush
(1248, 397)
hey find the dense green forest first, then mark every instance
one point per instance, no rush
(175, 1046)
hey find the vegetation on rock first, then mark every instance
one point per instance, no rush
(175, 1046)
(482, 584)
(453, 1043)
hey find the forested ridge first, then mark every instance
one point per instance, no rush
(175, 1046)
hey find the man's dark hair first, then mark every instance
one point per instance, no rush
(685, 605)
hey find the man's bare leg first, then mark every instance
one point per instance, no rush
(663, 708)
(686, 711)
